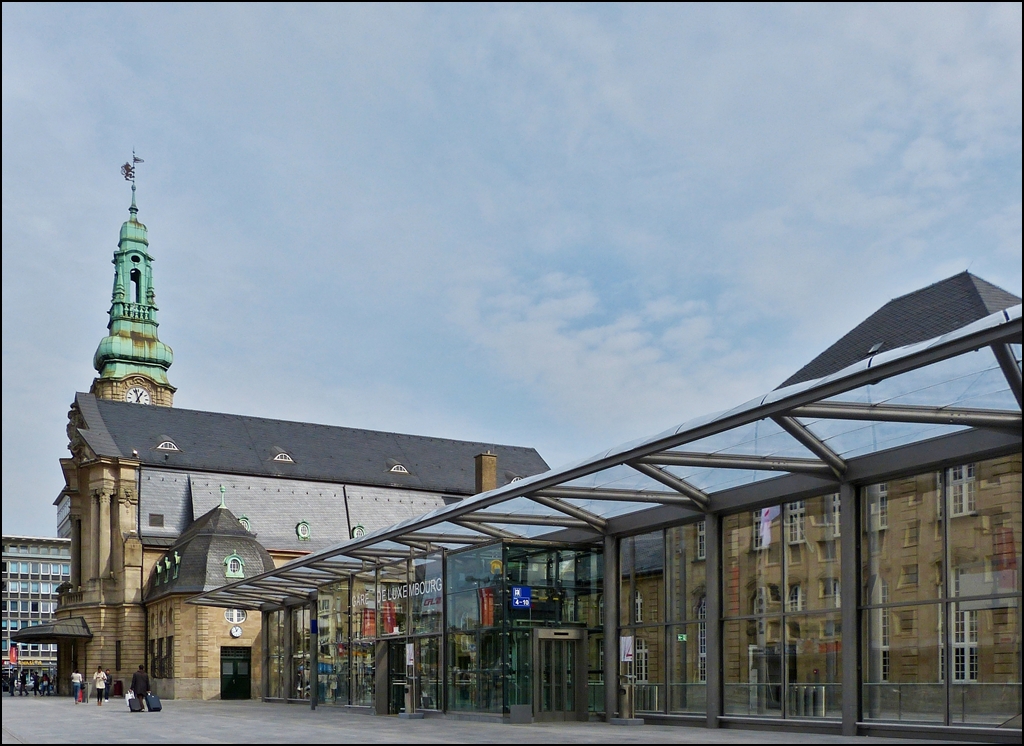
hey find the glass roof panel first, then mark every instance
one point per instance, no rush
(971, 380)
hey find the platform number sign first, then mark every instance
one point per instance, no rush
(521, 597)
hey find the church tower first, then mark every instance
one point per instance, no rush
(131, 360)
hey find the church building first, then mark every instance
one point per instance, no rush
(163, 503)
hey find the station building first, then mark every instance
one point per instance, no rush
(161, 503)
(841, 555)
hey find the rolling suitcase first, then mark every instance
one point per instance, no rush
(134, 703)
(153, 703)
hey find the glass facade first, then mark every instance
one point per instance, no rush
(940, 568)
(782, 634)
(933, 610)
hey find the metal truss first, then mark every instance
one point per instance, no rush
(794, 409)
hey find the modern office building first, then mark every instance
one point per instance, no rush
(841, 554)
(34, 569)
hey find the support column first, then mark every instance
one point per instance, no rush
(713, 615)
(611, 627)
(849, 595)
(265, 654)
(314, 649)
(94, 531)
(103, 548)
(76, 551)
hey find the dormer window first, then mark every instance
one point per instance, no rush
(284, 457)
(244, 520)
(398, 469)
(167, 445)
(234, 566)
(302, 530)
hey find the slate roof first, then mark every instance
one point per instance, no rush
(238, 444)
(274, 507)
(923, 314)
(203, 548)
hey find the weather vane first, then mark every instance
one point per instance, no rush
(128, 169)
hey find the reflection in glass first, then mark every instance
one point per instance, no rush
(687, 688)
(299, 685)
(752, 680)
(642, 566)
(904, 664)
(814, 666)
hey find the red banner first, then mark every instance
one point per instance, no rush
(369, 623)
(485, 596)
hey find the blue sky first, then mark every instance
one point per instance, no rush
(557, 226)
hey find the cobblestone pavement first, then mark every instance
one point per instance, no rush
(59, 720)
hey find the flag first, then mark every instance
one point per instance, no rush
(767, 516)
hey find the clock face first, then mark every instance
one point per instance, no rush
(137, 395)
(236, 631)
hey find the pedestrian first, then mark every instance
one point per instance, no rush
(33, 684)
(99, 682)
(140, 685)
(22, 683)
(44, 682)
(76, 684)
(110, 685)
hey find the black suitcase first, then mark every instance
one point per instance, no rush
(153, 703)
(135, 704)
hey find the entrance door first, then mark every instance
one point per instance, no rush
(559, 675)
(235, 673)
(396, 676)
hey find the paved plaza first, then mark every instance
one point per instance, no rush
(59, 720)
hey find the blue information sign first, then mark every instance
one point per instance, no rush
(521, 597)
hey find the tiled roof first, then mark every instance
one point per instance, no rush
(923, 314)
(237, 444)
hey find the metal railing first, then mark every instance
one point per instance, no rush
(973, 703)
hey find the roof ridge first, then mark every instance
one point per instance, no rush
(484, 443)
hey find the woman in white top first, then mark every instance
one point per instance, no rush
(76, 684)
(99, 680)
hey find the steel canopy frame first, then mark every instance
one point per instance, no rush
(554, 489)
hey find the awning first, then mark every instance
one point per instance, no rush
(74, 628)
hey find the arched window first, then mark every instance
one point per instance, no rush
(136, 290)
(796, 598)
(284, 457)
(234, 616)
(398, 469)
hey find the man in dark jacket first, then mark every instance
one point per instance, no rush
(140, 685)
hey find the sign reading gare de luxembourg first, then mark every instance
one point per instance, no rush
(431, 589)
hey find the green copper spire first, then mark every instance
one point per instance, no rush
(132, 346)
